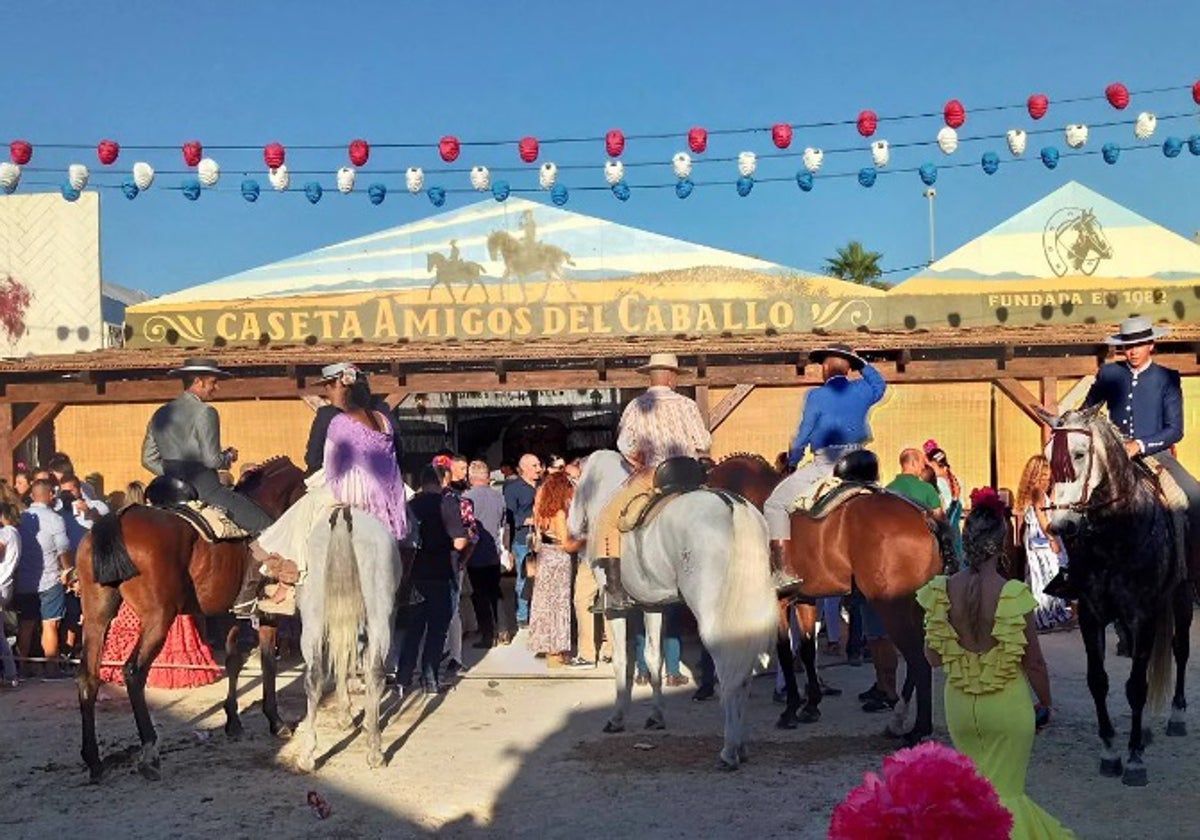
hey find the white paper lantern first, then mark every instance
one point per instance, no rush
(947, 140)
(747, 164)
(143, 175)
(279, 177)
(345, 180)
(548, 175)
(682, 164)
(880, 153)
(414, 179)
(1077, 135)
(1016, 141)
(208, 172)
(1143, 129)
(10, 176)
(481, 179)
(77, 176)
(614, 172)
(813, 158)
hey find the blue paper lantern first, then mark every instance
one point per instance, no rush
(866, 176)
(1172, 146)
(500, 190)
(1194, 144)
(928, 173)
(990, 162)
(744, 185)
(1050, 157)
(130, 188)
(437, 196)
(313, 192)
(559, 195)
(804, 180)
(684, 187)
(621, 191)
(191, 189)
(250, 190)
(1111, 152)
(69, 192)
(377, 193)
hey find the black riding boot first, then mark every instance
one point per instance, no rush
(613, 597)
(247, 599)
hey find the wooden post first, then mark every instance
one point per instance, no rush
(727, 405)
(702, 402)
(8, 465)
(1049, 402)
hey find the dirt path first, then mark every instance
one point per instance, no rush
(525, 757)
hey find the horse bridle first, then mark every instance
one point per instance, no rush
(1063, 469)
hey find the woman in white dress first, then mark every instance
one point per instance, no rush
(1044, 553)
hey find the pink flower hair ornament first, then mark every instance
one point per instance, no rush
(929, 791)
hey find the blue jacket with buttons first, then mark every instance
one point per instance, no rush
(835, 414)
(1147, 407)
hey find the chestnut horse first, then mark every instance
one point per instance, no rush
(176, 572)
(750, 476)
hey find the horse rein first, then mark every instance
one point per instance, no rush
(1063, 470)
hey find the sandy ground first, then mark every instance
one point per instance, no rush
(520, 755)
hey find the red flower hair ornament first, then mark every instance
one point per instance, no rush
(929, 791)
(988, 497)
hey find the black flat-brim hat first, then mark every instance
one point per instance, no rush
(200, 367)
(841, 351)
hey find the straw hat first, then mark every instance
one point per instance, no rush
(842, 351)
(661, 361)
(199, 367)
(1136, 330)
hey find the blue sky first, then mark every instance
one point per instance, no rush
(325, 73)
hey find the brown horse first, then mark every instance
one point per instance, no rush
(176, 572)
(751, 477)
(882, 545)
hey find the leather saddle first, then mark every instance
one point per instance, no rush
(179, 497)
(672, 478)
(855, 474)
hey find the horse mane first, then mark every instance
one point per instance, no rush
(750, 456)
(1121, 481)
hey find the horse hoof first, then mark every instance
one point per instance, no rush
(809, 715)
(655, 723)
(1110, 767)
(96, 775)
(1176, 728)
(306, 764)
(150, 772)
(1135, 777)
(233, 730)
(375, 759)
(743, 755)
(611, 728)
(787, 720)
(726, 766)
(282, 731)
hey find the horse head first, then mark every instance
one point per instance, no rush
(1088, 466)
(275, 485)
(498, 242)
(1093, 235)
(432, 260)
(748, 474)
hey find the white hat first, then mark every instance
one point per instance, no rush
(330, 372)
(661, 361)
(1136, 330)
(199, 367)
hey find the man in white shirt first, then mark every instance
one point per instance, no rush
(43, 569)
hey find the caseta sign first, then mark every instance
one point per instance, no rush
(392, 318)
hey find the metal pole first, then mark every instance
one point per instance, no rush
(930, 194)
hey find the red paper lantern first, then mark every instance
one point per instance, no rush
(697, 139)
(1196, 93)
(954, 113)
(867, 123)
(614, 142)
(274, 155)
(107, 151)
(1038, 105)
(1117, 95)
(192, 152)
(528, 149)
(20, 151)
(360, 150)
(781, 135)
(448, 148)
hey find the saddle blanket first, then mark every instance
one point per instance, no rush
(211, 523)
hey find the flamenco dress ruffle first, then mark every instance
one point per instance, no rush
(183, 646)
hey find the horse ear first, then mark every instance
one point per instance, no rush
(1092, 412)
(1046, 417)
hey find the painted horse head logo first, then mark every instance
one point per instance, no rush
(1074, 242)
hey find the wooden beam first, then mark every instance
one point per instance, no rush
(7, 461)
(396, 397)
(1049, 388)
(1021, 396)
(702, 402)
(41, 413)
(1074, 398)
(727, 405)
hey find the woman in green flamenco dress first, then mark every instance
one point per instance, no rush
(979, 630)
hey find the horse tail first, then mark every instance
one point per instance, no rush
(344, 608)
(111, 563)
(749, 617)
(1160, 684)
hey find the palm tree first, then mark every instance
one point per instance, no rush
(857, 265)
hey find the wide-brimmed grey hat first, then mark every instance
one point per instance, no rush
(661, 361)
(199, 367)
(842, 351)
(1136, 330)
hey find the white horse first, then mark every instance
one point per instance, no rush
(714, 552)
(353, 574)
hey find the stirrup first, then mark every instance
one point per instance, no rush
(784, 583)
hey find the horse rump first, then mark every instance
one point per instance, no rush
(111, 563)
